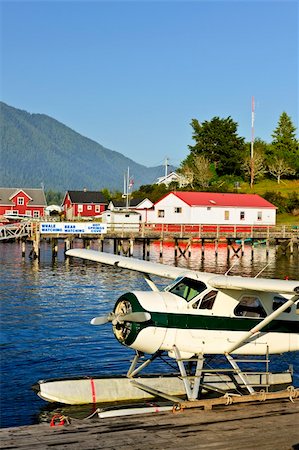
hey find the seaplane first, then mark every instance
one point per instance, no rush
(196, 315)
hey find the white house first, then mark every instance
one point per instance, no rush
(136, 204)
(212, 208)
(172, 177)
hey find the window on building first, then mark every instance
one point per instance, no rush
(177, 209)
(161, 213)
(36, 214)
(278, 301)
(28, 213)
(89, 207)
(250, 306)
(259, 215)
(97, 208)
(242, 215)
(80, 208)
(226, 215)
(21, 201)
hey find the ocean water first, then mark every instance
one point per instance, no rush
(46, 308)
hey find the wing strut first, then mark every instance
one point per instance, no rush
(150, 282)
(262, 324)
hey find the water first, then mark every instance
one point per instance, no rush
(46, 308)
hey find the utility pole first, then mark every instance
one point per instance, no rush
(252, 143)
(128, 184)
(166, 166)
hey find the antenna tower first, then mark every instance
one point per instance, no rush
(252, 143)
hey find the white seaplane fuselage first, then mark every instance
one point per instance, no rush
(217, 329)
(204, 313)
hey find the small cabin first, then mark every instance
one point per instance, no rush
(212, 208)
(117, 220)
(140, 205)
(22, 202)
(83, 204)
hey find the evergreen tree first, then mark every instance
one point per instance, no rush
(217, 140)
(285, 145)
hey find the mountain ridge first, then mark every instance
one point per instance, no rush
(38, 149)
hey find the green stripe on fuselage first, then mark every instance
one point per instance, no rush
(201, 322)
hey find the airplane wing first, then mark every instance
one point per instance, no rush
(171, 272)
(124, 262)
(255, 284)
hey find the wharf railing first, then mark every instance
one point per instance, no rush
(15, 231)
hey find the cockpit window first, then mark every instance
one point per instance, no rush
(207, 302)
(187, 288)
(250, 306)
(278, 301)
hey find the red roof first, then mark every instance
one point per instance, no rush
(219, 199)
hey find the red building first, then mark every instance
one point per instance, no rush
(18, 201)
(83, 204)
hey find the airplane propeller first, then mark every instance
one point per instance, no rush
(121, 318)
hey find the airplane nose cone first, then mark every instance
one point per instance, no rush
(126, 331)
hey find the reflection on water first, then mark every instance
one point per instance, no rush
(46, 309)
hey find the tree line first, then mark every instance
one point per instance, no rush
(219, 152)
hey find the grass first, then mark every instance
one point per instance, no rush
(287, 219)
(285, 187)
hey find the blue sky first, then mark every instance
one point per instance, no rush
(132, 74)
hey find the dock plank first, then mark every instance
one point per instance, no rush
(272, 425)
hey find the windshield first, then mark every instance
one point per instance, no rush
(187, 288)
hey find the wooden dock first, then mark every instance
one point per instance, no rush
(183, 237)
(271, 425)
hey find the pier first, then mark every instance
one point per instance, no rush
(185, 239)
(269, 425)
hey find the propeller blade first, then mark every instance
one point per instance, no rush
(130, 317)
(136, 317)
(100, 320)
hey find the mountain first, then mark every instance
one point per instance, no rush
(36, 148)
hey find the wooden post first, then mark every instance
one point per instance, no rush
(36, 249)
(54, 247)
(228, 250)
(216, 247)
(23, 248)
(101, 244)
(119, 245)
(175, 248)
(161, 248)
(242, 247)
(67, 244)
(190, 246)
(143, 248)
(115, 246)
(86, 243)
(267, 247)
(131, 251)
(202, 248)
(147, 249)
